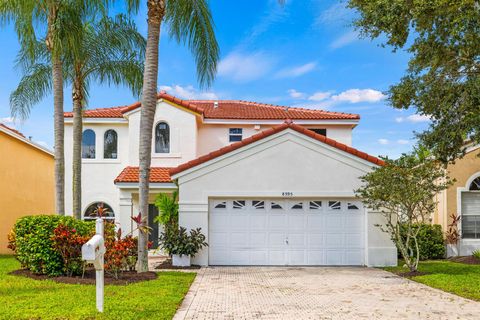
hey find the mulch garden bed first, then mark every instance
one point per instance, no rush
(465, 260)
(125, 277)
(411, 274)
(167, 265)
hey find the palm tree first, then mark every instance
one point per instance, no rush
(190, 22)
(107, 51)
(27, 15)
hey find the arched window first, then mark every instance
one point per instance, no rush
(88, 144)
(162, 138)
(475, 185)
(110, 144)
(99, 209)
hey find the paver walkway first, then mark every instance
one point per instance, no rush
(317, 293)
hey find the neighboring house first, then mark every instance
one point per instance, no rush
(268, 185)
(463, 199)
(26, 180)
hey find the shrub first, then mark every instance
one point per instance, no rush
(34, 246)
(177, 241)
(430, 241)
(122, 254)
(476, 253)
(68, 243)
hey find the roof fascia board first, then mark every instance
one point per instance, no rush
(234, 153)
(27, 141)
(280, 121)
(154, 185)
(98, 120)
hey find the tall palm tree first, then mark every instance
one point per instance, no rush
(27, 15)
(190, 22)
(109, 51)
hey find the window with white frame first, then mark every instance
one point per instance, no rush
(235, 134)
(110, 144)
(471, 211)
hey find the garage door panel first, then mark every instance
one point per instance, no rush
(276, 239)
(286, 232)
(296, 240)
(258, 239)
(334, 257)
(296, 257)
(277, 257)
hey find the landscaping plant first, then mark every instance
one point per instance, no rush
(476, 254)
(402, 191)
(68, 243)
(178, 241)
(33, 240)
(430, 241)
(452, 236)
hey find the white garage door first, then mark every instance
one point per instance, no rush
(286, 232)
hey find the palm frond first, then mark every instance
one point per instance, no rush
(190, 22)
(32, 88)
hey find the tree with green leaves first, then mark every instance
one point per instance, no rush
(168, 207)
(403, 192)
(105, 50)
(443, 77)
(189, 22)
(49, 16)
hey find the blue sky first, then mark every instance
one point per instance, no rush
(303, 54)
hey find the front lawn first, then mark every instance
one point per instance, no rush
(458, 278)
(24, 298)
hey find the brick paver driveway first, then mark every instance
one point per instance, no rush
(317, 293)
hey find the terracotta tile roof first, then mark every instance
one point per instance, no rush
(228, 109)
(157, 175)
(12, 130)
(269, 132)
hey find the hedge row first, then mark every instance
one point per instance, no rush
(32, 239)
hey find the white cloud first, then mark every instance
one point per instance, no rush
(336, 14)
(296, 94)
(415, 118)
(7, 120)
(296, 71)
(189, 92)
(345, 40)
(245, 67)
(320, 96)
(383, 141)
(359, 95)
(403, 141)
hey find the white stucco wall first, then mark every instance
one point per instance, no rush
(212, 137)
(183, 135)
(285, 162)
(97, 174)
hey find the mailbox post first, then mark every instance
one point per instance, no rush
(93, 252)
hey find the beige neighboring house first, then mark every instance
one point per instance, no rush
(463, 199)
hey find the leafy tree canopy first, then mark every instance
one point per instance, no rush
(443, 77)
(403, 191)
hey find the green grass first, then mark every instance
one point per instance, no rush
(458, 278)
(24, 298)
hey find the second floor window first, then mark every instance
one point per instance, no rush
(162, 138)
(235, 134)
(323, 132)
(110, 145)
(88, 144)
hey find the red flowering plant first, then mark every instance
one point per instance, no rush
(68, 243)
(121, 252)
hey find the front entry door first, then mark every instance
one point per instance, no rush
(152, 214)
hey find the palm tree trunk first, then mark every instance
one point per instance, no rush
(156, 10)
(77, 150)
(57, 79)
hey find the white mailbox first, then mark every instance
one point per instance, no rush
(93, 252)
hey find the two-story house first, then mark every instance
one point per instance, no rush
(268, 185)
